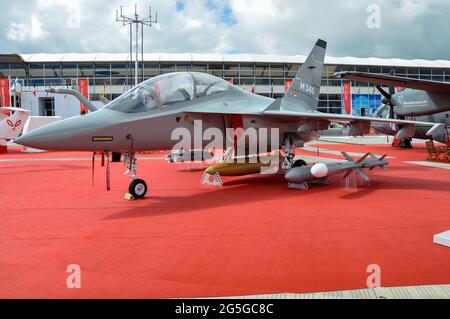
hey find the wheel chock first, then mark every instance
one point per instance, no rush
(129, 197)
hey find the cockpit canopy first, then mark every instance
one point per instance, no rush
(165, 90)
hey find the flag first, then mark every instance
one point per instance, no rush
(104, 89)
(15, 85)
(5, 98)
(287, 85)
(347, 98)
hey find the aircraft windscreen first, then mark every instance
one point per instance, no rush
(165, 90)
(136, 100)
(207, 85)
(172, 88)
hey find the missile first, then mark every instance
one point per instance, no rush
(318, 171)
(298, 177)
(247, 166)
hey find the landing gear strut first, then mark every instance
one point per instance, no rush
(289, 151)
(138, 187)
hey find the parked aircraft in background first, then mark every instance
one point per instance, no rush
(423, 100)
(11, 126)
(145, 117)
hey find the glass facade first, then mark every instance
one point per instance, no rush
(112, 79)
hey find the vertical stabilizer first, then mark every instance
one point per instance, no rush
(11, 127)
(303, 94)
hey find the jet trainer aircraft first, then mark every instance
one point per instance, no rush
(144, 118)
(421, 99)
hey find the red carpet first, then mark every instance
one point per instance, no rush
(253, 236)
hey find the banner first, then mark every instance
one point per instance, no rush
(5, 97)
(347, 98)
(83, 88)
(287, 85)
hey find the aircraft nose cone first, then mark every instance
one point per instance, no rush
(291, 174)
(64, 135)
(24, 140)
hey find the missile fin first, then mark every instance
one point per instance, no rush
(348, 157)
(363, 175)
(364, 157)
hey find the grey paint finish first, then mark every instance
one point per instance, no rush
(151, 111)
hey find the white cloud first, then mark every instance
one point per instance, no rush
(21, 32)
(250, 26)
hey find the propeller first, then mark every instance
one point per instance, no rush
(388, 101)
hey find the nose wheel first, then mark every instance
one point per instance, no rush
(138, 188)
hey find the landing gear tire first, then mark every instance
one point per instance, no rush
(299, 163)
(138, 188)
(405, 143)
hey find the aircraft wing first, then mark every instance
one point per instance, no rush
(390, 80)
(346, 119)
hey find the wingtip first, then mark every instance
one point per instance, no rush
(321, 43)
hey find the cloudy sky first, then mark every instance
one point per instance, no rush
(362, 28)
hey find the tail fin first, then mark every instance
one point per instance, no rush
(11, 127)
(303, 95)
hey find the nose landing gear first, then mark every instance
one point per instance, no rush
(138, 187)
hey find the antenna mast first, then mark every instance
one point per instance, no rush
(137, 21)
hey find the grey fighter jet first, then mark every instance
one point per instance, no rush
(144, 118)
(423, 100)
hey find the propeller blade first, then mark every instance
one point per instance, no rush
(391, 111)
(392, 90)
(383, 92)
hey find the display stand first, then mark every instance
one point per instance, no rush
(212, 180)
(352, 182)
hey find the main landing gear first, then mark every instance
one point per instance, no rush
(404, 143)
(289, 151)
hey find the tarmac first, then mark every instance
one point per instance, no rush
(252, 237)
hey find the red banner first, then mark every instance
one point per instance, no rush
(287, 85)
(5, 97)
(83, 88)
(347, 98)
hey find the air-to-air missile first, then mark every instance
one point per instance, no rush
(298, 177)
